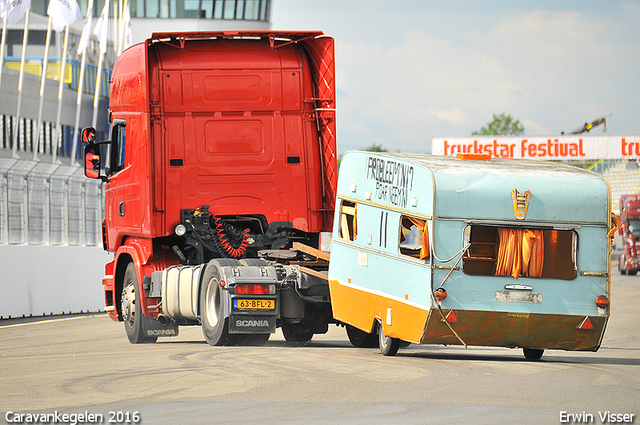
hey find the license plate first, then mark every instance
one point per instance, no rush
(239, 304)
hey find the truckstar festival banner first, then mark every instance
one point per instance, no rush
(571, 147)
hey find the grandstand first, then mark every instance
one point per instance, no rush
(623, 177)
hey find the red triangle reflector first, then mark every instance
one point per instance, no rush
(586, 324)
(451, 317)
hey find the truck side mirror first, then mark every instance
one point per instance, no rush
(88, 135)
(92, 159)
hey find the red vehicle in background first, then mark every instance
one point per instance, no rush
(222, 156)
(629, 262)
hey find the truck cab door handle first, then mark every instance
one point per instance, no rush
(121, 209)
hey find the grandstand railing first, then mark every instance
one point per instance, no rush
(49, 204)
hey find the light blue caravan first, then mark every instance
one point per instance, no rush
(493, 252)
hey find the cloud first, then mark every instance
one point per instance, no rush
(413, 89)
(453, 116)
(406, 75)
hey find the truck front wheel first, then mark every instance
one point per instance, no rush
(215, 326)
(131, 311)
(621, 265)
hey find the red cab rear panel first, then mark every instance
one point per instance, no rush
(242, 122)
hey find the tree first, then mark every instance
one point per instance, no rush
(502, 125)
(375, 148)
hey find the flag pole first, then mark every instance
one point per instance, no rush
(76, 126)
(101, 30)
(116, 9)
(25, 38)
(121, 28)
(126, 25)
(83, 64)
(60, 90)
(43, 79)
(94, 121)
(4, 38)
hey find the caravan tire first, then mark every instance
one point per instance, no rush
(388, 346)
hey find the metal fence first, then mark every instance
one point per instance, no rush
(49, 204)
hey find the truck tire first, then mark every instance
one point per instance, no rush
(388, 346)
(215, 327)
(251, 339)
(131, 312)
(361, 339)
(295, 333)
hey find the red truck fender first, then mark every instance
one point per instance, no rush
(140, 252)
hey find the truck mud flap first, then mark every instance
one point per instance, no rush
(250, 324)
(152, 327)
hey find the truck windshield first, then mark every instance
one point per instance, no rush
(634, 226)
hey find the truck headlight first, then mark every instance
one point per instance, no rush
(180, 230)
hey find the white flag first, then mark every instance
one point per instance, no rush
(63, 13)
(102, 27)
(86, 31)
(128, 33)
(4, 5)
(18, 8)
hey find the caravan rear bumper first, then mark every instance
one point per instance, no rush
(526, 330)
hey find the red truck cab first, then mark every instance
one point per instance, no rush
(629, 263)
(222, 145)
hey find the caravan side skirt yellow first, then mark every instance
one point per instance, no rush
(360, 308)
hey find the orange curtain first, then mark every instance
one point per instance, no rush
(424, 228)
(520, 253)
(509, 253)
(532, 253)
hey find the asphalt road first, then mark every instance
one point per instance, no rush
(84, 365)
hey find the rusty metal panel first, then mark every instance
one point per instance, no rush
(500, 329)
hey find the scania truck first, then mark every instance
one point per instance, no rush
(221, 159)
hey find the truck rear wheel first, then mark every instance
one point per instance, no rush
(215, 326)
(296, 333)
(130, 308)
(361, 339)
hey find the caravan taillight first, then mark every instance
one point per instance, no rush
(440, 294)
(602, 301)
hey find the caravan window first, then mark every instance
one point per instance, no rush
(348, 220)
(518, 252)
(414, 237)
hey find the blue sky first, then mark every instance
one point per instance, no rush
(411, 70)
